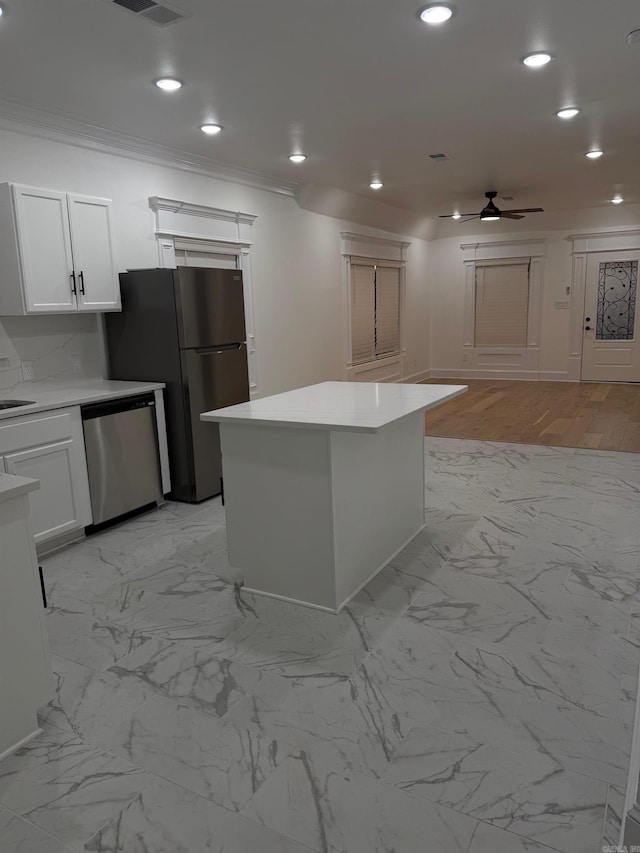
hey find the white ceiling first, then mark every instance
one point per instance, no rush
(361, 85)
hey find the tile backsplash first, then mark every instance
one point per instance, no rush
(48, 342)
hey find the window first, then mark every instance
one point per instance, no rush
(502, 304)
(375, 310)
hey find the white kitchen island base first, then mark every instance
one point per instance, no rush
(26, 681)
(324, 486)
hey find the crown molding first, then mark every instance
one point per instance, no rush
(490, 244)
(186, 207)
(487, 250)
(20, 118)
(380, 241)
(199, 222)
(371, 247)
(591, 235)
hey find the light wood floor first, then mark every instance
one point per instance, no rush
(564, 414)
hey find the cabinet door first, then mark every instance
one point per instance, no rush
(44, 240)
(91, 238)
(54, 506)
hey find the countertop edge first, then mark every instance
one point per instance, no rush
(267, 422)
(19, 486)
(66, 402)
(211, 417)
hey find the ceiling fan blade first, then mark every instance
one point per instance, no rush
(525, 210)
(507, 214)
(451, 215)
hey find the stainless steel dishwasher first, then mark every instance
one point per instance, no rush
(122, 456)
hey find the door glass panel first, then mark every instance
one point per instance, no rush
(617, 284)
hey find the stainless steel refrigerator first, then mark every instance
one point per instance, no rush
(184, 327)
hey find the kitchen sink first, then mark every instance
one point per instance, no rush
(12, 404)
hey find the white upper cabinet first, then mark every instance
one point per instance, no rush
(96, 278)
(43, 234)
(56, 252)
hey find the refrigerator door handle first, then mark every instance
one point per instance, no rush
(221, 348)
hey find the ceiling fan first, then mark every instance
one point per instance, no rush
(491, 213)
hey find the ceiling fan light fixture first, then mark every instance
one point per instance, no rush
(489, 216)
(435, 13)
(537, 59)
(169, 84)
(617, 199)
(376, 184)
(595, 154)
(456, 216)
(568, 112)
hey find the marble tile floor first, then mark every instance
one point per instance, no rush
(476, 697)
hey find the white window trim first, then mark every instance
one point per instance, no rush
(516, 362)
(384, 251)
(184, 226)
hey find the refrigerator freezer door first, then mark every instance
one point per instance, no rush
(214, 378)
(210, 307)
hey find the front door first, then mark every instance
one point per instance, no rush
(611, 346)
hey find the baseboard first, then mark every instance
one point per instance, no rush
(527, 375)
(421, 376)
(45, 549)
(556, 376)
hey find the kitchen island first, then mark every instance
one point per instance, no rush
(324, 485)
(26, 681)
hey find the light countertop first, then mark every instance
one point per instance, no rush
(12, 486)
(47, 395)
(357, 406)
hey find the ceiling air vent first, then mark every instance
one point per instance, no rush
(438, 158)
(508, 197)
(158, 13)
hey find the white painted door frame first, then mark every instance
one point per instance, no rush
(614, 243)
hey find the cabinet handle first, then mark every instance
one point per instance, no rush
(81, 282)
(72, 276)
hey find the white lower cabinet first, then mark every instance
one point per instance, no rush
(49, 447)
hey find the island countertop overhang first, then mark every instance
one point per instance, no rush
(345, 406)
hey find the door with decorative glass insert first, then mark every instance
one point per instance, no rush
(611, 346)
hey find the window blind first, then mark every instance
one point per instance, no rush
(363, 280)
(387, 310)
(502, 305)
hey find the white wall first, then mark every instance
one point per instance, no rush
(296, 260)
(447, 280)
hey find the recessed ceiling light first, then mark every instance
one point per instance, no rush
(617, 200)
(537, 60)
(595, 154)
(634, 37)
(436, 13)
(169, 84)
(568, 112)
(297, 158)
(1, 11)
(210, 129)
(376, 184)
(456, 216)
